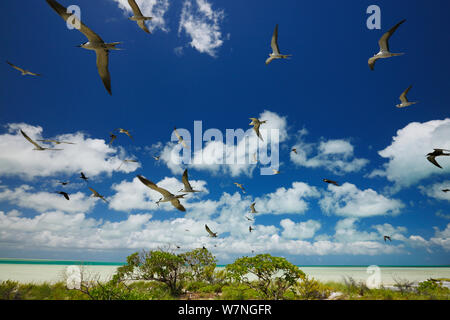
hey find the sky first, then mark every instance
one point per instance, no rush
(204, 65)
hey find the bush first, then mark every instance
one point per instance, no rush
(311, 289)
(274, 275)
(433, 289)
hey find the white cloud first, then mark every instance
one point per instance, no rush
(435, 190)
(347, 200)
(442, 238)
(150, 8)
(301, 230)
(92, 156)
(202, 24)
(27, 197)
(335, 155)
(407, 162)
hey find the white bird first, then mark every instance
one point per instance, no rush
(275, 50)
(384, 47)
(24, 72)
(95, 43)
(138, 17)
(404, 99)
(38, 147)
(180, 138)
(256, 123)
(95, 194)
(168, 197)
(187, 185)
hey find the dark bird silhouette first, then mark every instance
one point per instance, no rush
(212, 234)
(113, 137)
(64, 194)
(437, 153)
(294, 150)
(64, 183)
(250, 229)
(445, 190)
(82, 176)
(331, 182)
(388, 238)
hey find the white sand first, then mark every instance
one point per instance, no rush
(38, 273)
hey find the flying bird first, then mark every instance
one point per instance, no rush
(95, 43)
(388, 238)
(113, 137)
(24, 72)
(138, 17)
(275, 171)
(212, 234)
(64, 183)
(446, 190)
(55, 141)
(125, 131)
(240, 186)
(168, 197)
(64, 194)
(95, 194)
(436, 153)
(294, 150)
(82, 176)
(180, 138)
(187, 185)
(252, 208)
(156, 157)
(275, 50)
(250, 229)
(331, 182)
(38, 147)
(249, 219)
(404, 99)
(384, 47)
(256, 123)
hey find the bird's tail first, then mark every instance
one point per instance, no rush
(112, 46)
(398, 54)
(286, 56)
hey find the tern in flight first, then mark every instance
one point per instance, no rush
(38, 147)
(388, 238)
(180, 138)
(156, 157)
(249, 219)
(125, 131)
(256, 123)
(113, 137)
(168, 197)
(138, 16)
(64, 183)
(24, 72)
(82, 176)
(250, 229)
(275, 50)
(240, 186)
(384, 47)
(252, 208)
(436, 153)
(404, 99)
(95, 194)
(445, 190)
(294, 150)
(187, 185)
(95, 43)
(212, 234)
(55, 141)
(331, 182)
(64, 194)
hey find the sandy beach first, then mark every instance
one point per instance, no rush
(39, 273)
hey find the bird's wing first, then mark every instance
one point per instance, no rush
(384, 40)
(403, 95)
(209, 230)
(256, 128)
(176, 203)
(34, 74)
(15, 67)
(274, 42)
(433, 161)
(371, 62)
(136, 10)
(102, 66)
(66, 195)
(62, 11)
(184, 179)
(94, 192)
(29, 139)
(143, 26)
(153, 186)
(269, 60)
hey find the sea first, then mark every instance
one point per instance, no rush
(51, 271)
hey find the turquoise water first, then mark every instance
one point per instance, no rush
(103, 263)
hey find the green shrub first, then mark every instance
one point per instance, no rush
(311, 289)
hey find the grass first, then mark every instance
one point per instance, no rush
(149, 290)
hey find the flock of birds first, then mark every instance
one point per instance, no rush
(102, 49)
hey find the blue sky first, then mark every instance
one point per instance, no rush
(204, 61)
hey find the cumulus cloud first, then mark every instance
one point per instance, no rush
(150, 8)
(301, 230)
(347, 200)
(202, 24)
(442, 238)
(336, 155)
(92, 156)
(407, 163)
(435, 190)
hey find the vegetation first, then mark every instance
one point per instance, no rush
(163, 275)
